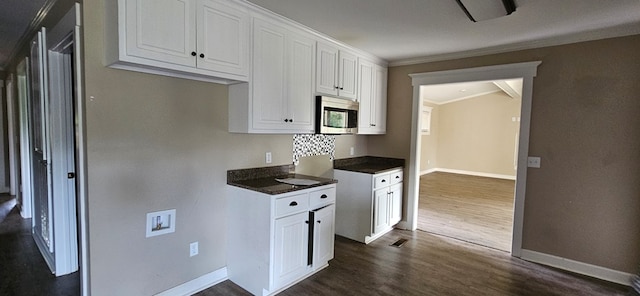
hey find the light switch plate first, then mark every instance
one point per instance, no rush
(267, 157)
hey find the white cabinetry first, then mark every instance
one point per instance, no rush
(275, 241)
(369, 206)
(279, 97)
(336, 71)
(372, 94)
(197, 39)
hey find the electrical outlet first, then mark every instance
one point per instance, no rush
(193, 249)
(351, 151)
(267, 157)
(533, 162)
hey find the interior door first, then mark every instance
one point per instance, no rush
(42, 211)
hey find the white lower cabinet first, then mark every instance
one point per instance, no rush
(275, 241)
(370, 205)
(291, 247)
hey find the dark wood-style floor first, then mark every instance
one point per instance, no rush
(23, 271)
(470, 208)
(429, 264)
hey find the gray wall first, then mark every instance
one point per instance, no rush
(584, 202)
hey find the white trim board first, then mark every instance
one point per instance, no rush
(470, 173)
(595, 271)
(196, 285)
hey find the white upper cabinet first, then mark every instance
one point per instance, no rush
(279, 98)
(198, 39)
(222, 38)
(336, 71)
(161, 30)
(372, 90)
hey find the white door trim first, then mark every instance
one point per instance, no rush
(526, 71)
(24, 131)
(12, 99)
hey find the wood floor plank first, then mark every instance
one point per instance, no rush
(470, 208)
(429, 264)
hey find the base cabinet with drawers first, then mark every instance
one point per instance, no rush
(274, 241)
(370, 206)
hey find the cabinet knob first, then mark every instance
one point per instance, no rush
(193, 53)
(318, 221)
(306, 222)
(291, 120)
(341, 88)
(336, 87)
(373, 124)
(286, 120)
(202, 55)
(293, 204)
(397, 177)
(383, 181)
(323, 196)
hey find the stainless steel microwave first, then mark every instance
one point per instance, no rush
(336, 116)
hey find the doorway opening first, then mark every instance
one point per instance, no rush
(469, 160)
(525, 71)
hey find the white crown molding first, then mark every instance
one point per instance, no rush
(463, 98)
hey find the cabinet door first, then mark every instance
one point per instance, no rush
(300, 86)
(162, 30)
(222, 37)
(372, 87)
(367, 98)
(323, 237)
(348, 74)
(269, 100)
(379, 102)
(395, 202)
(327, 69)
(290, 248)
(380, 210)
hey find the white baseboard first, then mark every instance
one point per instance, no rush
(595, 271)
(404, 225)
(429, 171)
(198, 284)
(471, 173)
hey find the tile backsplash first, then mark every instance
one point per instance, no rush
(313, 144)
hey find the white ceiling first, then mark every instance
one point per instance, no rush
(407, 31)
(440, 94)
(404, 31)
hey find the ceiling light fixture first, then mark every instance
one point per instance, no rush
(480, 10)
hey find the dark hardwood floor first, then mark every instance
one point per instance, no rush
(430, 264)
(470, 208)
(23, 271)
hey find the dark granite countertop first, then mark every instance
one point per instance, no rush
(264, 179)
(368, 164)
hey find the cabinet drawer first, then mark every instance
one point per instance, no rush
(292, 204)
(396, 177)
(321, 198)
(381, 181)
